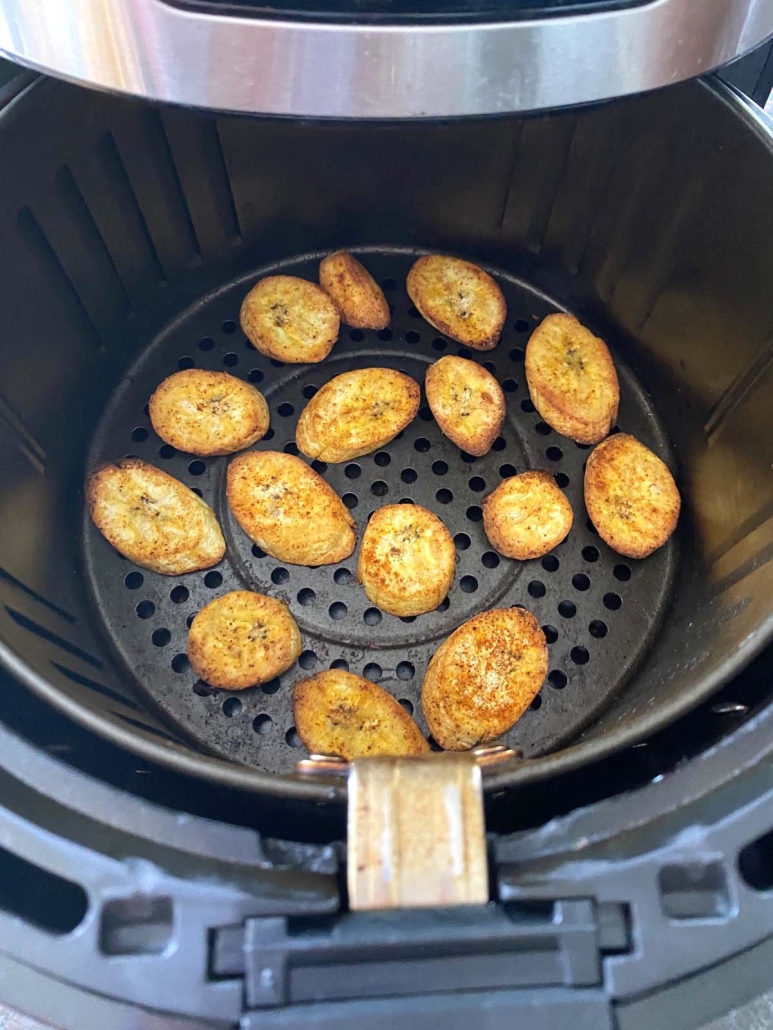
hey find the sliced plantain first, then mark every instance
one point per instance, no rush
(208, 413)
(358, 297)
(572, 380)
(407, 560)
(527, 515)
(338, 713)
(459, 299)
(467, 402)
(484, 677)
(243, 639)
(356, 413)
(152, 519)
(290, 319)
(631, 496)
(289, 510)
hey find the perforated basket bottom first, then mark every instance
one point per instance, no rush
(599, 611)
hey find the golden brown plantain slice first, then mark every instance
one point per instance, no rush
(153, 519)
(208, 413)
(458, 299)
(467, 402)
(243, 639)
(358, 297)
(407, 560)
(484, 677)
(572, 380)
(290, 319)
(631, 496)
(338, 713)
(288, 509)
(356, 413)
(527, 515)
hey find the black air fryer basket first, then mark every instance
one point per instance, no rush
(130, 234)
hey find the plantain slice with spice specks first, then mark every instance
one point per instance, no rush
(459, 299)
(407, 560)
(243, 639)
(356, 413)
(484, 677)
(208, 413)
(288, 509)
(631, 496)
(338, 713)
(290, 319)
(467, 402)
(572, 380)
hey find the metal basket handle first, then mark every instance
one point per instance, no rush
(415, 826)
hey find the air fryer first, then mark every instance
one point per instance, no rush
(129, 234)
(132, 234)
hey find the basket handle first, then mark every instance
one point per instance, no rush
(415, 827)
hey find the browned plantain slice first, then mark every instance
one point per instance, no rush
(407, 560)
(358, 297)
(572, 380)
(458, 299)
(467, 402)
(484, 677)
(631, 496)
(153, 519)
(289, 510)
(290, 319)
(243, 639)
(208, 413)
(527, 515)
(356, 413)
(338, 713)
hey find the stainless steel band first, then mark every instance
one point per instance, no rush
(153, 49)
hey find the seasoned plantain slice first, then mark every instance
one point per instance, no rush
(356, 413)
(243, 639)
(467, 402)
(527, 515)
(484, 677)
(407, 560)
(631, 496)
(153, 519)
(459, 299)
(208, 413)
(290, 319)
(338, 713)
(289, 510)
(358, 297)
(572, 380)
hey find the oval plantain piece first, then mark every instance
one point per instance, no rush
(290, 319)
(153, 519)
(338, 713)
(288, 509)
(208, 413)
(527, 515)
(484, 677)
(358, 297)
(572, 380)
(356, 413)
(467, 402)
(459, 299)
(631, 496)
(243, 639)
(407, 560)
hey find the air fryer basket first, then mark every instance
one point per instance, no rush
(129, 235)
